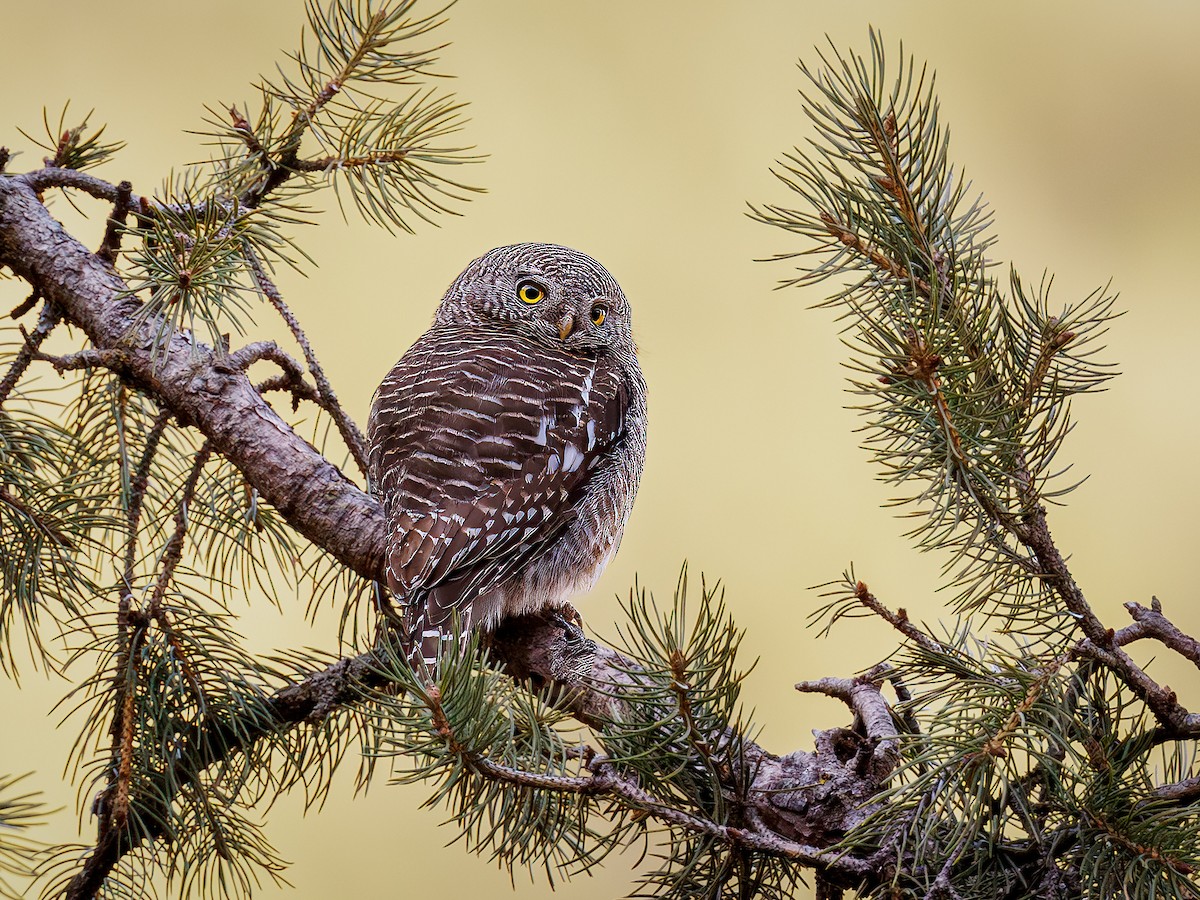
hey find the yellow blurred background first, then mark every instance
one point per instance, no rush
(637, 132)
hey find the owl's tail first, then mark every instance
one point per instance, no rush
(425, 642)
(420, 645)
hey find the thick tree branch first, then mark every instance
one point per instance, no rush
(1186, 791)
(808, 799)
(311, 493)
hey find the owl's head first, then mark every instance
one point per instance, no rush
(554, 295)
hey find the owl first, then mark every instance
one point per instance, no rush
(507, 444)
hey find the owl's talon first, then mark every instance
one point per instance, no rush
(575, 655)
(568, 619)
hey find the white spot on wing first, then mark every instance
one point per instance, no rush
(572, 457)
(586, 391)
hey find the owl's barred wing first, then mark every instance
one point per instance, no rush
(478, 447)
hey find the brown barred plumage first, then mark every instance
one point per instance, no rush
(507, 443)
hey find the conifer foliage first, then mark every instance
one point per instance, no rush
(1019, 752)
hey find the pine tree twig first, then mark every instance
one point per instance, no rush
(371, 38)
(25, 305)
(898, 619)
(885, 134)
(244, 130)
(349, 431)
(681, 688)
(328, 163)
(922, 366)
(274, 172)
(1099, 642)
(139, 483)
(1175, 720)
(171, 556)
(880, 260)
(244, 357)
(302, 118)
(1054, 340)
(299, 391)
(611, 783)
(116, 360)
(110, 246)
(290, 380)
(996, 744)
(12, 501)
(1116, 836)
(1151, 623)
(144, 209)
(173, 551)
(111, 806)
(52, 177)
(1182, 792)
(47, 321)
(904, 697)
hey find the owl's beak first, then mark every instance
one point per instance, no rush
(565, 326)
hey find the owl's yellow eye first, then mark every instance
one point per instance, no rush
(599, 314)
(530, 293)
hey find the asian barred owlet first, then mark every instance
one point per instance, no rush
(507, 443)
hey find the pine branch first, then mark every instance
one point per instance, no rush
(952, 407)
(110, 246)
(53, 177)
(25, 305)
(208, 745)
(1183, 792)
(29, 350)
(967, 394)
(45, 525)
(1151, 623)
(294, 478)
(350, 432)
(351, 48)
(535, 646)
